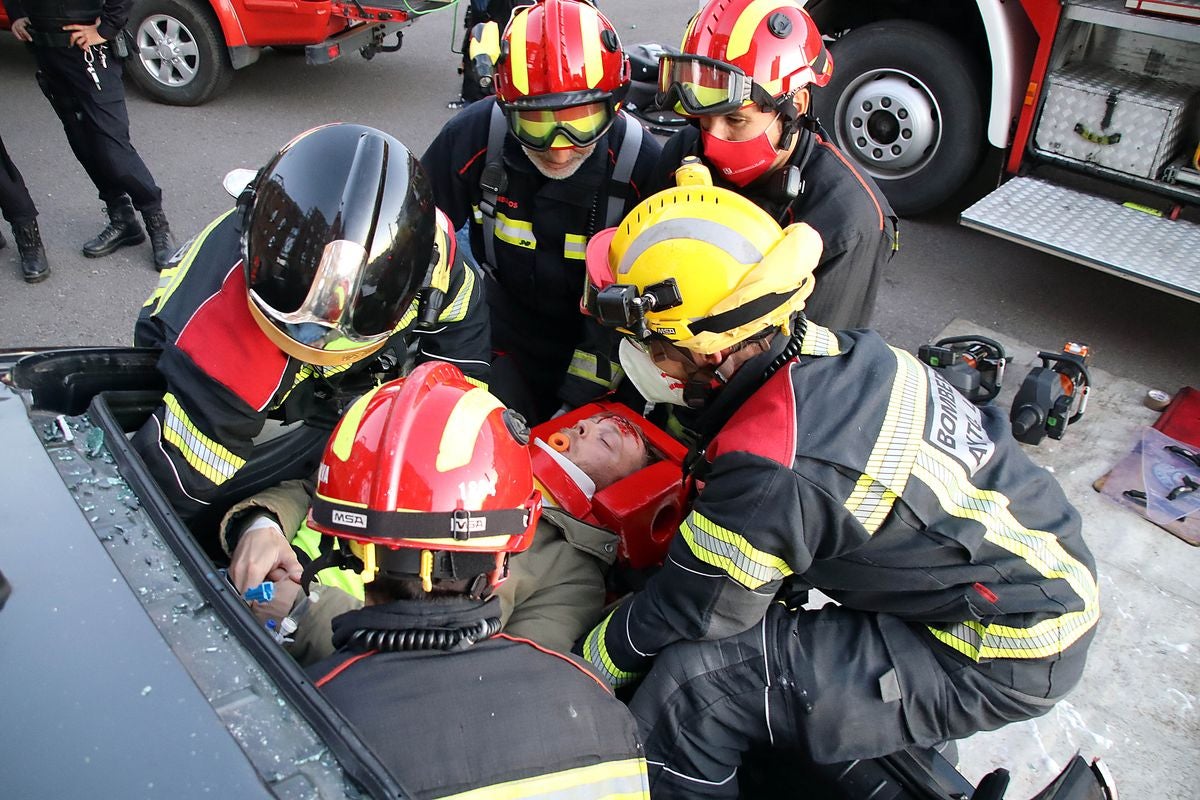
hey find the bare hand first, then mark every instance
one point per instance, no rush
(85, 36)
(263, 554)
(20, 29)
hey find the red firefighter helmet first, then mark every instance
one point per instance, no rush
(741, 51)
(562, 74)
(427, 476)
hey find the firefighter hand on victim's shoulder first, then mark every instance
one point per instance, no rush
(555, 591)
(530, 175)
(294, 303)
(428, 488)
(967, 596)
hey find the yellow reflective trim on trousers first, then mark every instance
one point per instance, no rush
(206, 456)
(349, 582)
(892, 457)
(596, 653)
(819, 341)
(589, 30)
(742, 35)
(516, 51)
(732, 553)
(516, 232)
(169, 279)
(1041, 550)
(575, 247)
(456, 311)
(611, 780)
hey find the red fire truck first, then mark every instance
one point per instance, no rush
(184, 52)
(1095, 104)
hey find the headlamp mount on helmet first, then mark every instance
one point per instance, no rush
(620, 305)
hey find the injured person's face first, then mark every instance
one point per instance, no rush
(606, 447)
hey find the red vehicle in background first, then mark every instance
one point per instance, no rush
(184, 52)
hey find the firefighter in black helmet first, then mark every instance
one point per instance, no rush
(332, 267)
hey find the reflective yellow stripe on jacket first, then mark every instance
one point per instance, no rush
(172, 277)
(595, 651)
(207, 456)
(732, 553)
(892, 457)
(1041, 550)
(612, 780)
(586, 365)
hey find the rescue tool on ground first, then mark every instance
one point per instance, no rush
(972, 364)
(1052, 396)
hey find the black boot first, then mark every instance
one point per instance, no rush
(161, 240)
(122, 230)
(34, 265)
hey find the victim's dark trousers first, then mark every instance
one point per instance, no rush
(96, 122)
(836, 684)
(15, 202)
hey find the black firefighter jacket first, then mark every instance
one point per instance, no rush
(541, 229)
(857, 470)
(225, 377)
(500, 719)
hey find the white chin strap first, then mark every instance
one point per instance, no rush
(650, 381)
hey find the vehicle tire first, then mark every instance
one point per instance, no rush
(904, 106)
(178, 53)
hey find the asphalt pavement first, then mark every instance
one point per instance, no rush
(942, 273)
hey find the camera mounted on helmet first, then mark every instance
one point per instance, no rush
(621, 305)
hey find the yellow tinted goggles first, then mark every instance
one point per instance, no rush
(574, 126)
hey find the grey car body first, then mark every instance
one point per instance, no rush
(128, 665)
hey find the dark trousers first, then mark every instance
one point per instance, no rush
(96, 122)
(15, 202)
(835, 684)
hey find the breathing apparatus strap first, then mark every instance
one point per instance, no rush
(493, 181)
(622, 172)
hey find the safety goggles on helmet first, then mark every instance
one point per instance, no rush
(539, 127)
(699, 86)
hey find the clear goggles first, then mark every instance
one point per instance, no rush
(700, 86)
(560, 128)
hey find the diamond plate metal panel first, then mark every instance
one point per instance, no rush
(1151, 116)
(1095, 231)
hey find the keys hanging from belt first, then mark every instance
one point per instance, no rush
(89, 59)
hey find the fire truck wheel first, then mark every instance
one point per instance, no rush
(902, 103)
(178, 53)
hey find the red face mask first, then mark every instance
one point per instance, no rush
(741, 163)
